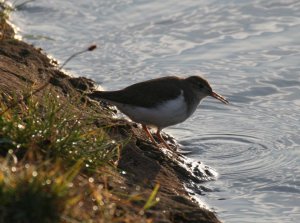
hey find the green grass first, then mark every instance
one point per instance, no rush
(31, 194)
(6, 7)
(5, 10)
(49, 129)
(57, 166)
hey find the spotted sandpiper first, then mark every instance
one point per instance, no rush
(160, 102)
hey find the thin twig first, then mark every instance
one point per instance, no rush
(91, 48)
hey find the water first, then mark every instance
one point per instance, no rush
(248, 50)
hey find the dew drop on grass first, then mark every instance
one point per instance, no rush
(48, 181)
(95, 208)
(101, 203)
(91, 180)
(87, 165)
(27, 165)
(34, 173)
(13, 169)
(20, 126)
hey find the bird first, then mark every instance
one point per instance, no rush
(159, 102)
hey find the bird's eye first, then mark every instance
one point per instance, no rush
(200, 86)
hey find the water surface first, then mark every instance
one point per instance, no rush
(248, 50)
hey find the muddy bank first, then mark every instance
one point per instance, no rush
(24, 68)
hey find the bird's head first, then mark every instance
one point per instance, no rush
(203, 89)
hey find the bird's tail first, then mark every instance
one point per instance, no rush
(109, 96)
(96, 95)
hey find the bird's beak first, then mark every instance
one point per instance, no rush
(219, 97)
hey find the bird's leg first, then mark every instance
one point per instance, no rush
(149, 134)
(162, 140)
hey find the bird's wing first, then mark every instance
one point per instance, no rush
(144, 94)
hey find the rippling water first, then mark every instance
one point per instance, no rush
(248, 50)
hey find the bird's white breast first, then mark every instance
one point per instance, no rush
(165, 114)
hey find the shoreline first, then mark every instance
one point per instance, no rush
(140, 167)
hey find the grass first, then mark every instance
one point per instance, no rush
(13, 5)
(31, 194)
(5, 9)
(48, 129)
(57, 166)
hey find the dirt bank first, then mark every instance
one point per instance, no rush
(24, 68)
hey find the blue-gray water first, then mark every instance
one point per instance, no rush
(248, 50)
